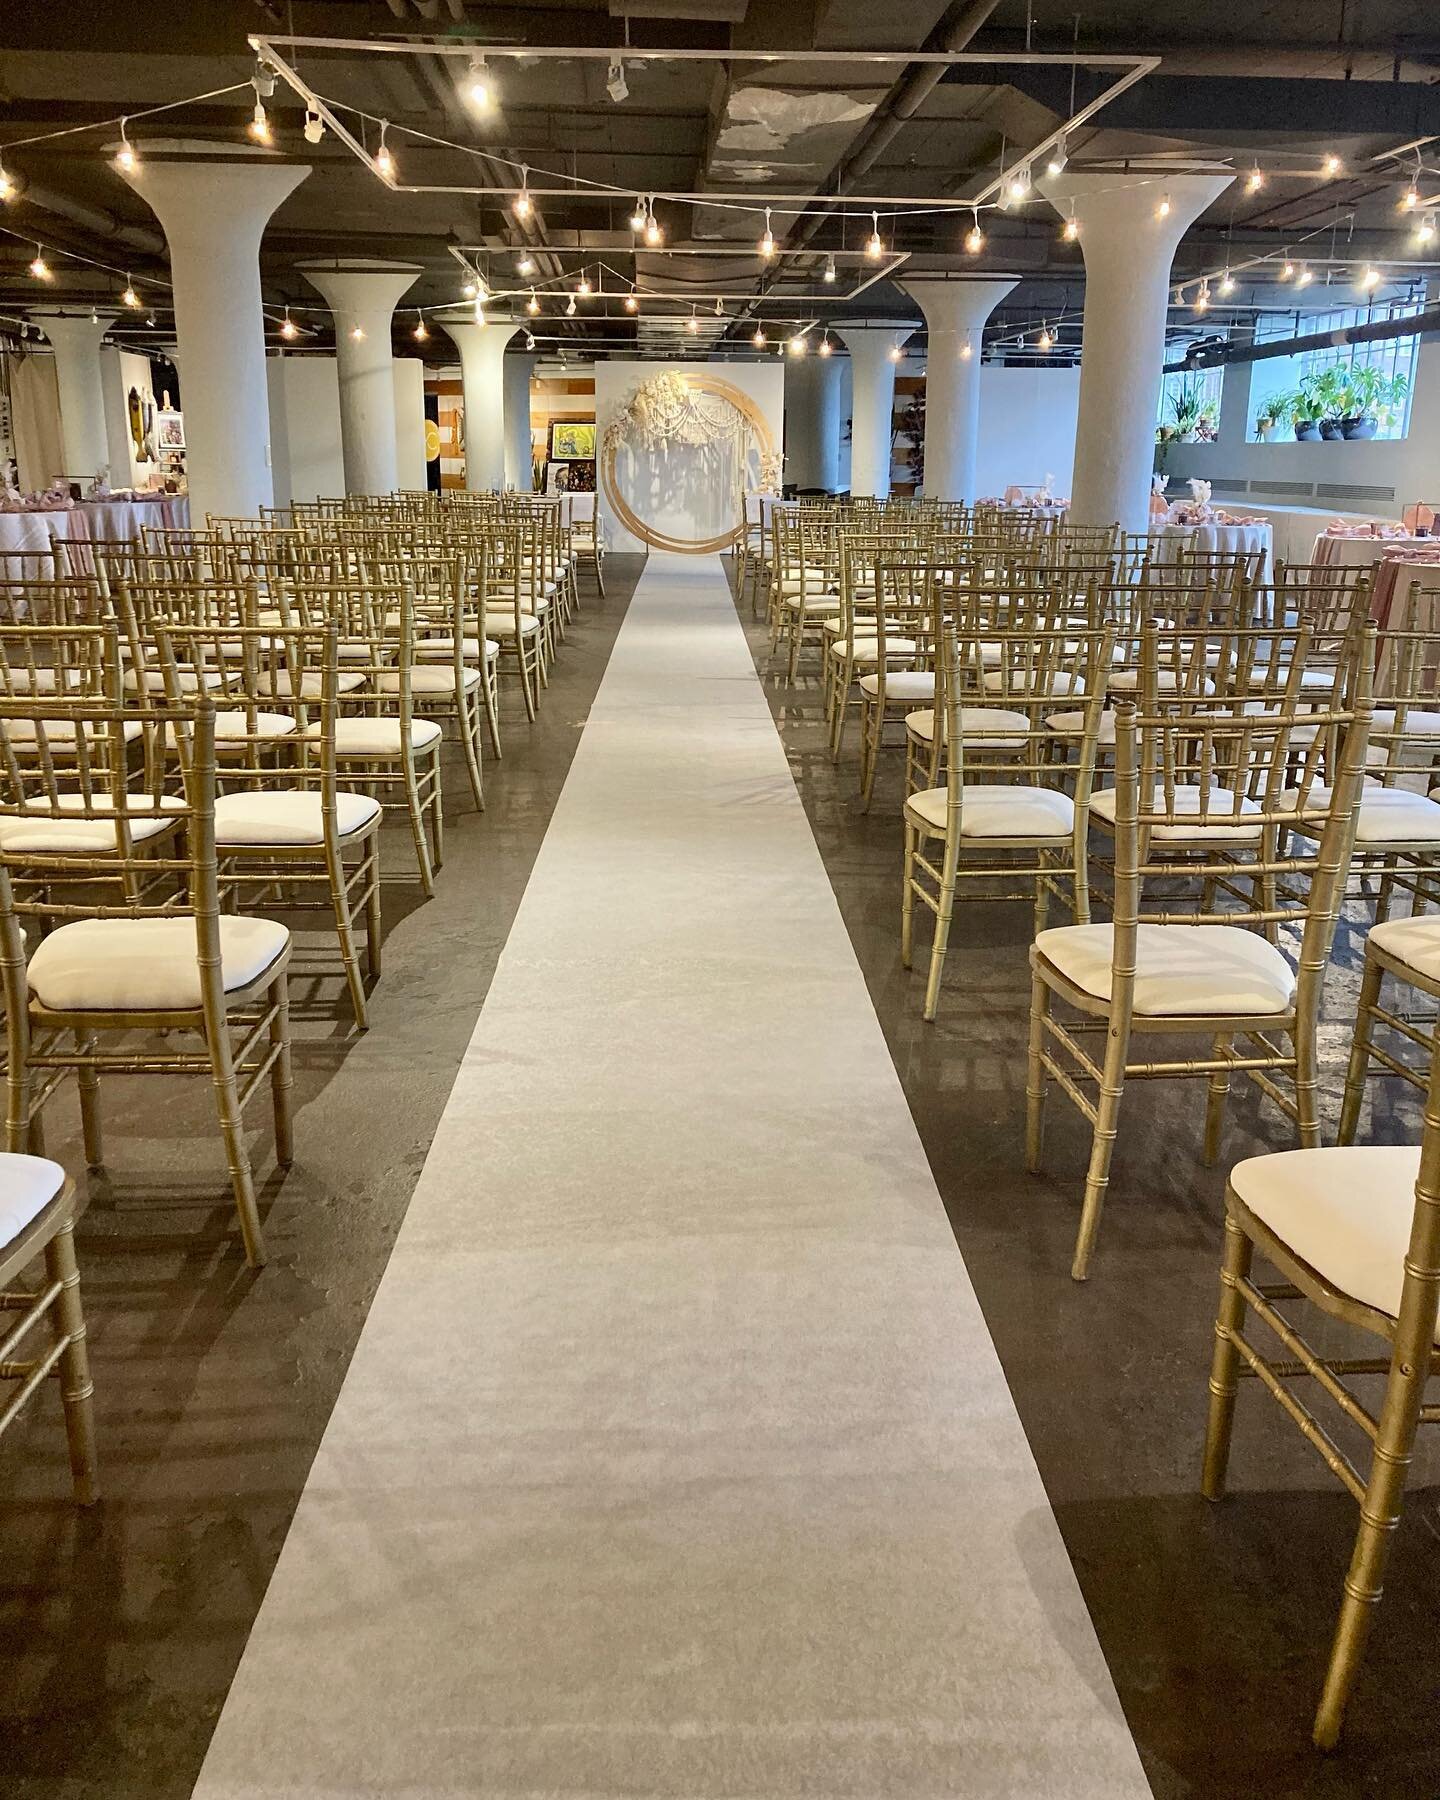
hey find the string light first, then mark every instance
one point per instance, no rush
(357, 334)
(8, 188)
(532, 305)
(1019, 184)
(570, 308)
(130, 297)
(719, 309)
(482, 288)
(1045, 341)
(797, 346)
(632, 301)
(1072, 226)
(384, 161)
(1227, 283)
(479, 87)
(1425, 230)
(523, 206)
(965, 351)
(1202, 297)
(125, 156)
(526, 265)
(653, 233)
(288, 327)
(1304, 277)
(826, 346)
(1287, 268)
(39, 268)
(829, 271)
(975, 237)
(1162, 211)
(767, 238)
(1255, 180)
(583, 287)
(895, 353)
(1369, 279)
(1331, 166)
(420, 332)
(874, 244)
(468, 289)
(314, 125)
(259, 126)
(639, 216)
(1410, 199)
(1059, 156)
(692, 324)
(94, 316)
(759, 338)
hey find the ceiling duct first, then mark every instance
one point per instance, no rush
(1215, 353)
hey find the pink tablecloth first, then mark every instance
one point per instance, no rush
(1345, 550)
(124, 520)
(1394, 572)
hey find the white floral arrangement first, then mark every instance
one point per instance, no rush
(667, 410)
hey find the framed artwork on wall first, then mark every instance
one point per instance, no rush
(572, 440)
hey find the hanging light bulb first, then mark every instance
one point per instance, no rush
(966, 351)
(482, 288)
(479, 87)
(1202, 297)
(1304, 277)
(825, 345)
(692, 324)
(1410, 199)
(828, 274)
(529, 340)
(39, 268)
(288, 327)
(525, 266)
(1072, 226)
(1180, 296)
(653, 233)
(1331, 166)
(384, 161)
(130, 297)
(583, 287)
(150, 320)
(1425, 230)
(639, 216)
(467, 289)
(314, 126)
(719, 309)
(1227, 283)
(1287, 268)
(1255, 180)
(522, 204)
(420, 332)
(1162, 211)
(259, 126)
(1019, 184)
(570, 308)
(1059, 156)
(797, 345)
(895, 353)
(875, 244)
(532, 305)
(357, 334)
(632, 301)
(759, 338)
(1045, 341)
(975, 237)
(94, 316)
(767, 237)
(1369, 279)
(125, 157)
(8, 188)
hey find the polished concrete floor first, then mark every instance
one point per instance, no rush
(120, 1632)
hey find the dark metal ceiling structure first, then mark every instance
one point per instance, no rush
(1277, 86)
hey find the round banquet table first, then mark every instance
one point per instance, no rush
(26, 539)
(123, 520)
(1170, 540)
(1341, 550)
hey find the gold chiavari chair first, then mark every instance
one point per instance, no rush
(1207, 775)
(510, 619)
(1355, 1233)
(125, 880)
(898, 666)
(1002, 796)
(805, 580)
(851, 636)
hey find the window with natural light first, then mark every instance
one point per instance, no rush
(1347, 391)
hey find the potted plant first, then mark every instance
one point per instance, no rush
(1186, 408)
(1370, 393)
(1328, 391)
(1273, 409)
(1391, 406)
(1303, 416)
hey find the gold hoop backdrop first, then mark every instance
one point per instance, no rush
(659, 540)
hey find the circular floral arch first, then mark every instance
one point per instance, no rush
(669, 409)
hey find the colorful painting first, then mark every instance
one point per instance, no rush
(170, 429)
(572, 440)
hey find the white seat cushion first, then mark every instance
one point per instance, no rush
(27, 1186)
(1421, 723)
(51, 836)
(1414, 942)
(998, 810)
(190, 682)
(311, 683)
(901, 684)
(1185, 971)
(365, 736)
(1127, 681)
(982, 727)
(430, 678)
(827, 604)
(443, 648)
(288, 816)
(502, 625)
(867, 649)
(145, 965)
(1058, 684)
(1072, 724)
(62, 731)
(1388, 815)
(231, 725)
(1187, 805)
(1346, 1211)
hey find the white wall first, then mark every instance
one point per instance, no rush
(683, 492)
(1027, 428)
(410, 422)
(305, 427)
(121, 370)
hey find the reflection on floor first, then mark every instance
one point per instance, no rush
(675, 1457)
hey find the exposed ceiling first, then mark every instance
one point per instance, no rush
(1279, 84)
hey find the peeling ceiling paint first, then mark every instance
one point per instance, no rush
(767, 119)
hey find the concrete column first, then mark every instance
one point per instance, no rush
(519, 462)
(409, 375)
(482, 377)
(76, 343)
(813, 421)
(1128, 248)
(955, 314)
(872, 416)
(214, 210)
(361, 296)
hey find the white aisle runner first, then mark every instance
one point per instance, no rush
(675, 1457)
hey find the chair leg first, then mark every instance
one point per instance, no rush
(1216, 1094)
(374, 921)
(1102, 1147)
(1225, 1362)
(67, 1318)
(1036, 1081)
(417, 829)
(1307, 1085)
(227, 1103)
(1379, 1515)
(345, 931)
(282, 1079)
(490, 688)
(470, 740)
(87, 1079)
(941, 941)
(1359, 1063)
(907, 904)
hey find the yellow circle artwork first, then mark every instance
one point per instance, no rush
(432, 440)
(650, 534)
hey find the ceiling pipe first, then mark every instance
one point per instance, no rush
(92, 219)
(1214, 354)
